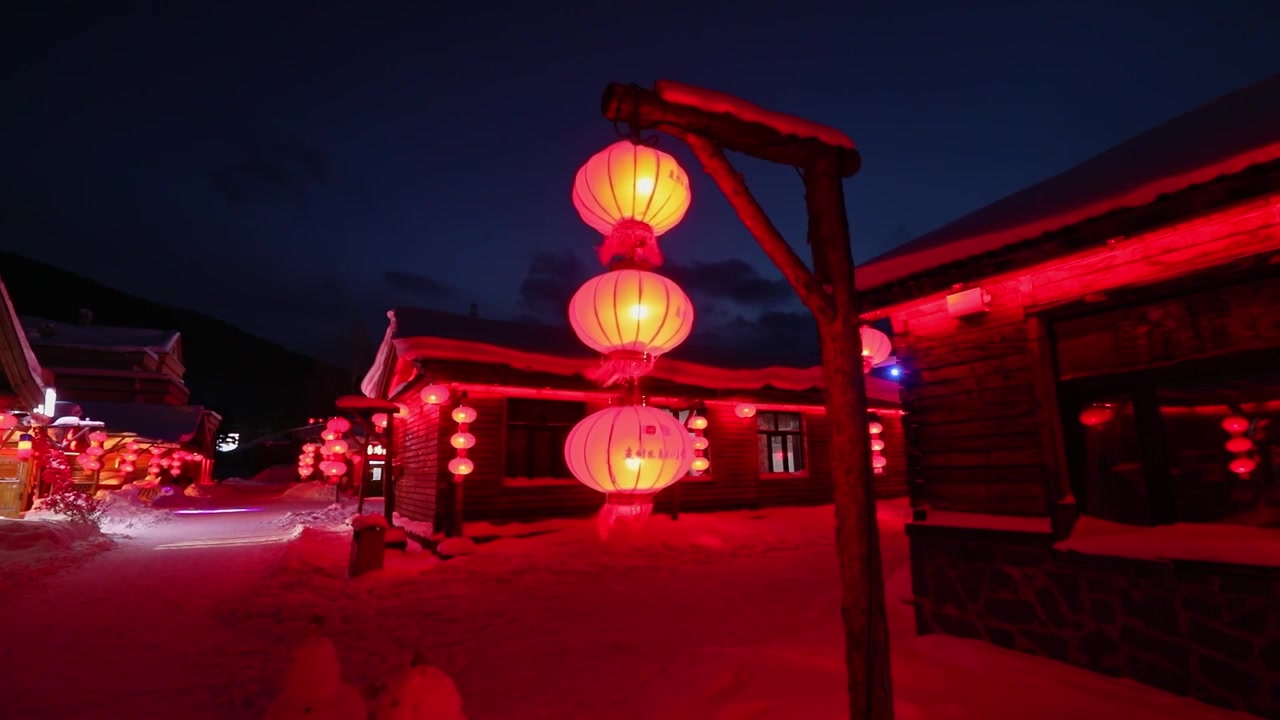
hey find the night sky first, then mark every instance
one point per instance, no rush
(298, 168)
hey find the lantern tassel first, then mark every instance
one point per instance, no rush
(633, 241)
(620, 366)
(623, 514)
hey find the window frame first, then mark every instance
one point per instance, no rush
(1143, 385)
(537, 427)
(801, 449)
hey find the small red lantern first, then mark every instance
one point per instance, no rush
(97, 436)
(338, 425)
(329, 435)
(8, 421)
(126, 467)
(95, 451)
(697, 422)
(1235, 424)
(1239, 445)
(403, 411)
(699, 464)
(333, 468)
(744, 410)
(435, 394)
(380, 420)
(701, 443)
(336, 447)
(875, 428)
(461, 466)
(877, 444)
(1242, 465)
(878, 461)
(462, 440)
(1095, 415)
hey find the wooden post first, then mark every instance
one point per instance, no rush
(830, 294)
(857, 533)
(388, 482)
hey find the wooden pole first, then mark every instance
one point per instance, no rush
(857, 533)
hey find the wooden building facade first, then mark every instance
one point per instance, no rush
(1071, 356)
(528, 398)
(22, 387)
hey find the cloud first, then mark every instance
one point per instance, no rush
(271, 174)
(732, 279)
(422, 286)
(549, 283)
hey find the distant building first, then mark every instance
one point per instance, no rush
(1093, 394)
(131, 379)
(528, 386)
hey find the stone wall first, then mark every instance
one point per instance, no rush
(1206, 630)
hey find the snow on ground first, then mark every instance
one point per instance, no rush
(30, 549)
(726, 615)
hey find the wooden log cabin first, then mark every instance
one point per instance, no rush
(527, 385)
(1071, 356)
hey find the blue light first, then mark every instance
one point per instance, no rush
(895, 371)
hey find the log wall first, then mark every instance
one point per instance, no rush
(981, 413)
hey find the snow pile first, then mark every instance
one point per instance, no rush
(368, 520)
(273, 475)
(313, 491)
(337, 516)
(457, 547)
(124, 511)
(717, 102)
(31, 548)
(313, 687)
(422, 691)
(171, 497)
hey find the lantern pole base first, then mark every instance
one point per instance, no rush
(623, 515)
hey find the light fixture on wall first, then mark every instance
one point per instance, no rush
(967, 303)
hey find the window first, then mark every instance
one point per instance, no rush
(1161, 455)
(536, 432)
(780, 442)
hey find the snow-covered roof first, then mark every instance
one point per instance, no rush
(21, 369)
(165, 423)
(416, 333)
(1221, 138)
(106, 337)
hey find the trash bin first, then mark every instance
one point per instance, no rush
(367, 547)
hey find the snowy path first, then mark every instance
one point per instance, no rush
(728, 615)
(132, 629)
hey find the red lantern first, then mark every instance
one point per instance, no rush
(462, 440)
(310, 448)
(878, 461)
(95, 451)
(380, 420)
(336, 447)
(875, 428)
(744, 410)
(876, 347)
(1242, 465)
(338, 425)
(699, 464)
(329, 435)
(701, 443)
(631, 194)
(126, 467)
(8, 421)
(631, 316)
(461, 466)
(97, 436)
(629, 449)
(305, 472)
(333, 468)
(463, 414)
(1235, 424)
(697, 422)
(1095, 415)
(1239, 445)
(402, 411)
(876, 444)
(435, 394)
